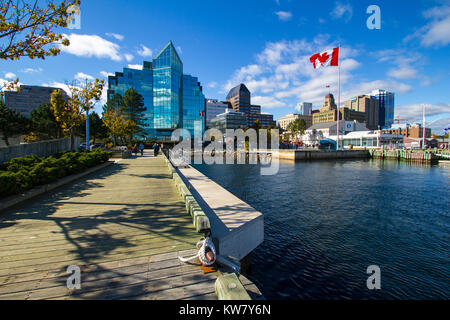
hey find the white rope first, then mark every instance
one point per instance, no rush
(203, 246)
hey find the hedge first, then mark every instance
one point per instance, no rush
(21, 174)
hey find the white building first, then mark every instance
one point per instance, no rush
(320, 131)
(370, 140)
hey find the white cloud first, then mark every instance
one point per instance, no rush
(4, 83)
(10, 76)
(179, 50)
(212, 85)
(415, 111)
(436, 33)
(80, 76)
(84, 45)
(144, 51)
(135, 66)
(403, 72)
(282, 75)
(116, 36)
(128, 57)
(31, 70)
(405, 62)
(106, 74)
(284, 15)
(342, 11)
(59, 85)
(268, 102)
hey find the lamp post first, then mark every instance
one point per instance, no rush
(424, 126)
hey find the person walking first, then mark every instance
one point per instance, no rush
(135, 149)
(142, 147)
(156, 149)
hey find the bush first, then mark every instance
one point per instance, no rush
(21, 174)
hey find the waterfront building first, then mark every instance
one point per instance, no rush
(329, 128)
(304, 108)
(213, 109)
(286, 120)
(370, 140)
(387, 107)
(370, 106)
(239, 98)
(407, 130)
(229, 120)
(328, 113)
(28, 98)
(173, 99)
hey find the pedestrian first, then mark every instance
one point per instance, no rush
(142, 147)
(135, 149)
(156, 149)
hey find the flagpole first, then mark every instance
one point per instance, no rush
(339, 97)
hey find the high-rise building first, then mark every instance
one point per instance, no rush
(304, 108)
(370, 106)
(173, 99)
(213, 109)
(28, 98)
(240, 100)
(329, 113)
(229, 120)
(387, 107)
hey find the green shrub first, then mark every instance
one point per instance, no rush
(21, 174)
(14, 182)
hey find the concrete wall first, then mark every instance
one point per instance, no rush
(13, 141)
(40, 149)
(300, 155)
(237, 228)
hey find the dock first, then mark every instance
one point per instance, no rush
(123, 227)
(416, 156)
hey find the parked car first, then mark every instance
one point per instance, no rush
(97, 146)
(92, 146)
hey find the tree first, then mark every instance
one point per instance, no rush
(118, 124)
(70, 111)
(68, 114)
(11, 123)
(256, 125)
(43, 124)
(26, 29)
(297, 127)
(133, 109)
(114, 103)
(97, 128)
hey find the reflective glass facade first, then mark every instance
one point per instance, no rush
(173, 100)
(387, 107)
(193, 103)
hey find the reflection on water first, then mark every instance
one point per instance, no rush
(327, 221)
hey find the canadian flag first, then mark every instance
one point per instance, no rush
(325, 59)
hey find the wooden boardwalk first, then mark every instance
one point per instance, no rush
(123, 226)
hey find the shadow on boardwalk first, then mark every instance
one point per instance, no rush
(107, 216)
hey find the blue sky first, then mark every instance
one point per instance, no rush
(267, 44)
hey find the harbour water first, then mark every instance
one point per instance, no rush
(326, 222)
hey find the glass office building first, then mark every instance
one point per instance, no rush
(173, 99)
(387, 107)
